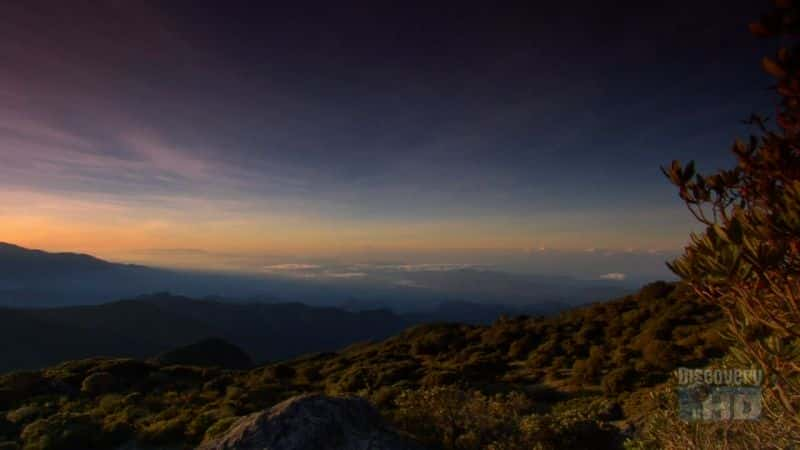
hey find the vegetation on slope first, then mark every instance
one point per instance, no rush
(747, 261)
(43, 337)
(211, 352)
(575, 380)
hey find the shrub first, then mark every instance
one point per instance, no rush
(124, 369)
(220, 427)
(440, 378)
(63, 431)
(520, 348)
(660, 354)
(398, 371)
(17, 386)
(24, 414)
(454, 419)
(7, 428)
(747, 261)
(281, 372)
(662, 428)
(434, 341)
(485, 367)
(165, 431)
(656, 290)
(310, 373)
(384, 397)
(457, 419)
(618, 380)
(99, 383)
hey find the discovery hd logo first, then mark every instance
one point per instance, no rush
(719, 394)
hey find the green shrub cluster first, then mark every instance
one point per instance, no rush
(518, 381)
(454, 419)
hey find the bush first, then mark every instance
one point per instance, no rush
(433, 342)
(99, 383)
(618, 380)
(656, 290)
(129, 370)
(520, 348)
(747, 261)
(63, 431)
(440, 378)
(660, 354)
(165, 431)
(281, 372)
(7, 428)
(310, 373)
(220, 427)
(453, 419)
(24, 414)
(663, 428)
(18, 386)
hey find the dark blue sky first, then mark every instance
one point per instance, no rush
(236, 127)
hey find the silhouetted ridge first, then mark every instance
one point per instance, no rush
(211, 352)
(154, 324)
(16, 261)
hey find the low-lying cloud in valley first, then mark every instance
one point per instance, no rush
(615, 276)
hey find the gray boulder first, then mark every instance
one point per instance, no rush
(312, 422)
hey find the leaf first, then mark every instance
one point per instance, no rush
(773, 68)
(783, 55)
(735, 231)
(718, 232)
(741, 357)
(688, 172)
(757, 29)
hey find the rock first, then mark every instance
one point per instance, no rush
(313, 422)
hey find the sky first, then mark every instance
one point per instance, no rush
(233, 134)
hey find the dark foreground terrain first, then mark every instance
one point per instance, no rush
(587, 378)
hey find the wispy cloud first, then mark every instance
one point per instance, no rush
(157, 155)
(293, 267)
(346, 274)
(132, 120)
(426, 267)
(614, 276)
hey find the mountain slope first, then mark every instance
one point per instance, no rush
(212, 352)
(568, 381)
(153, 324)
(17, 262)
(645, 335)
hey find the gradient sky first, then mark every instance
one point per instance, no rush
(150, 131)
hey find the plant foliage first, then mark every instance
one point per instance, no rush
(747, 260)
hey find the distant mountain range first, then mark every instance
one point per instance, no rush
(57, 307)
(147, 326)
(150, 325)
(20, 263)
(33, 278)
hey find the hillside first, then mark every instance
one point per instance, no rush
(211, 352)
(20, 263)
(579, 378)
(149, 325)
(266, 331)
